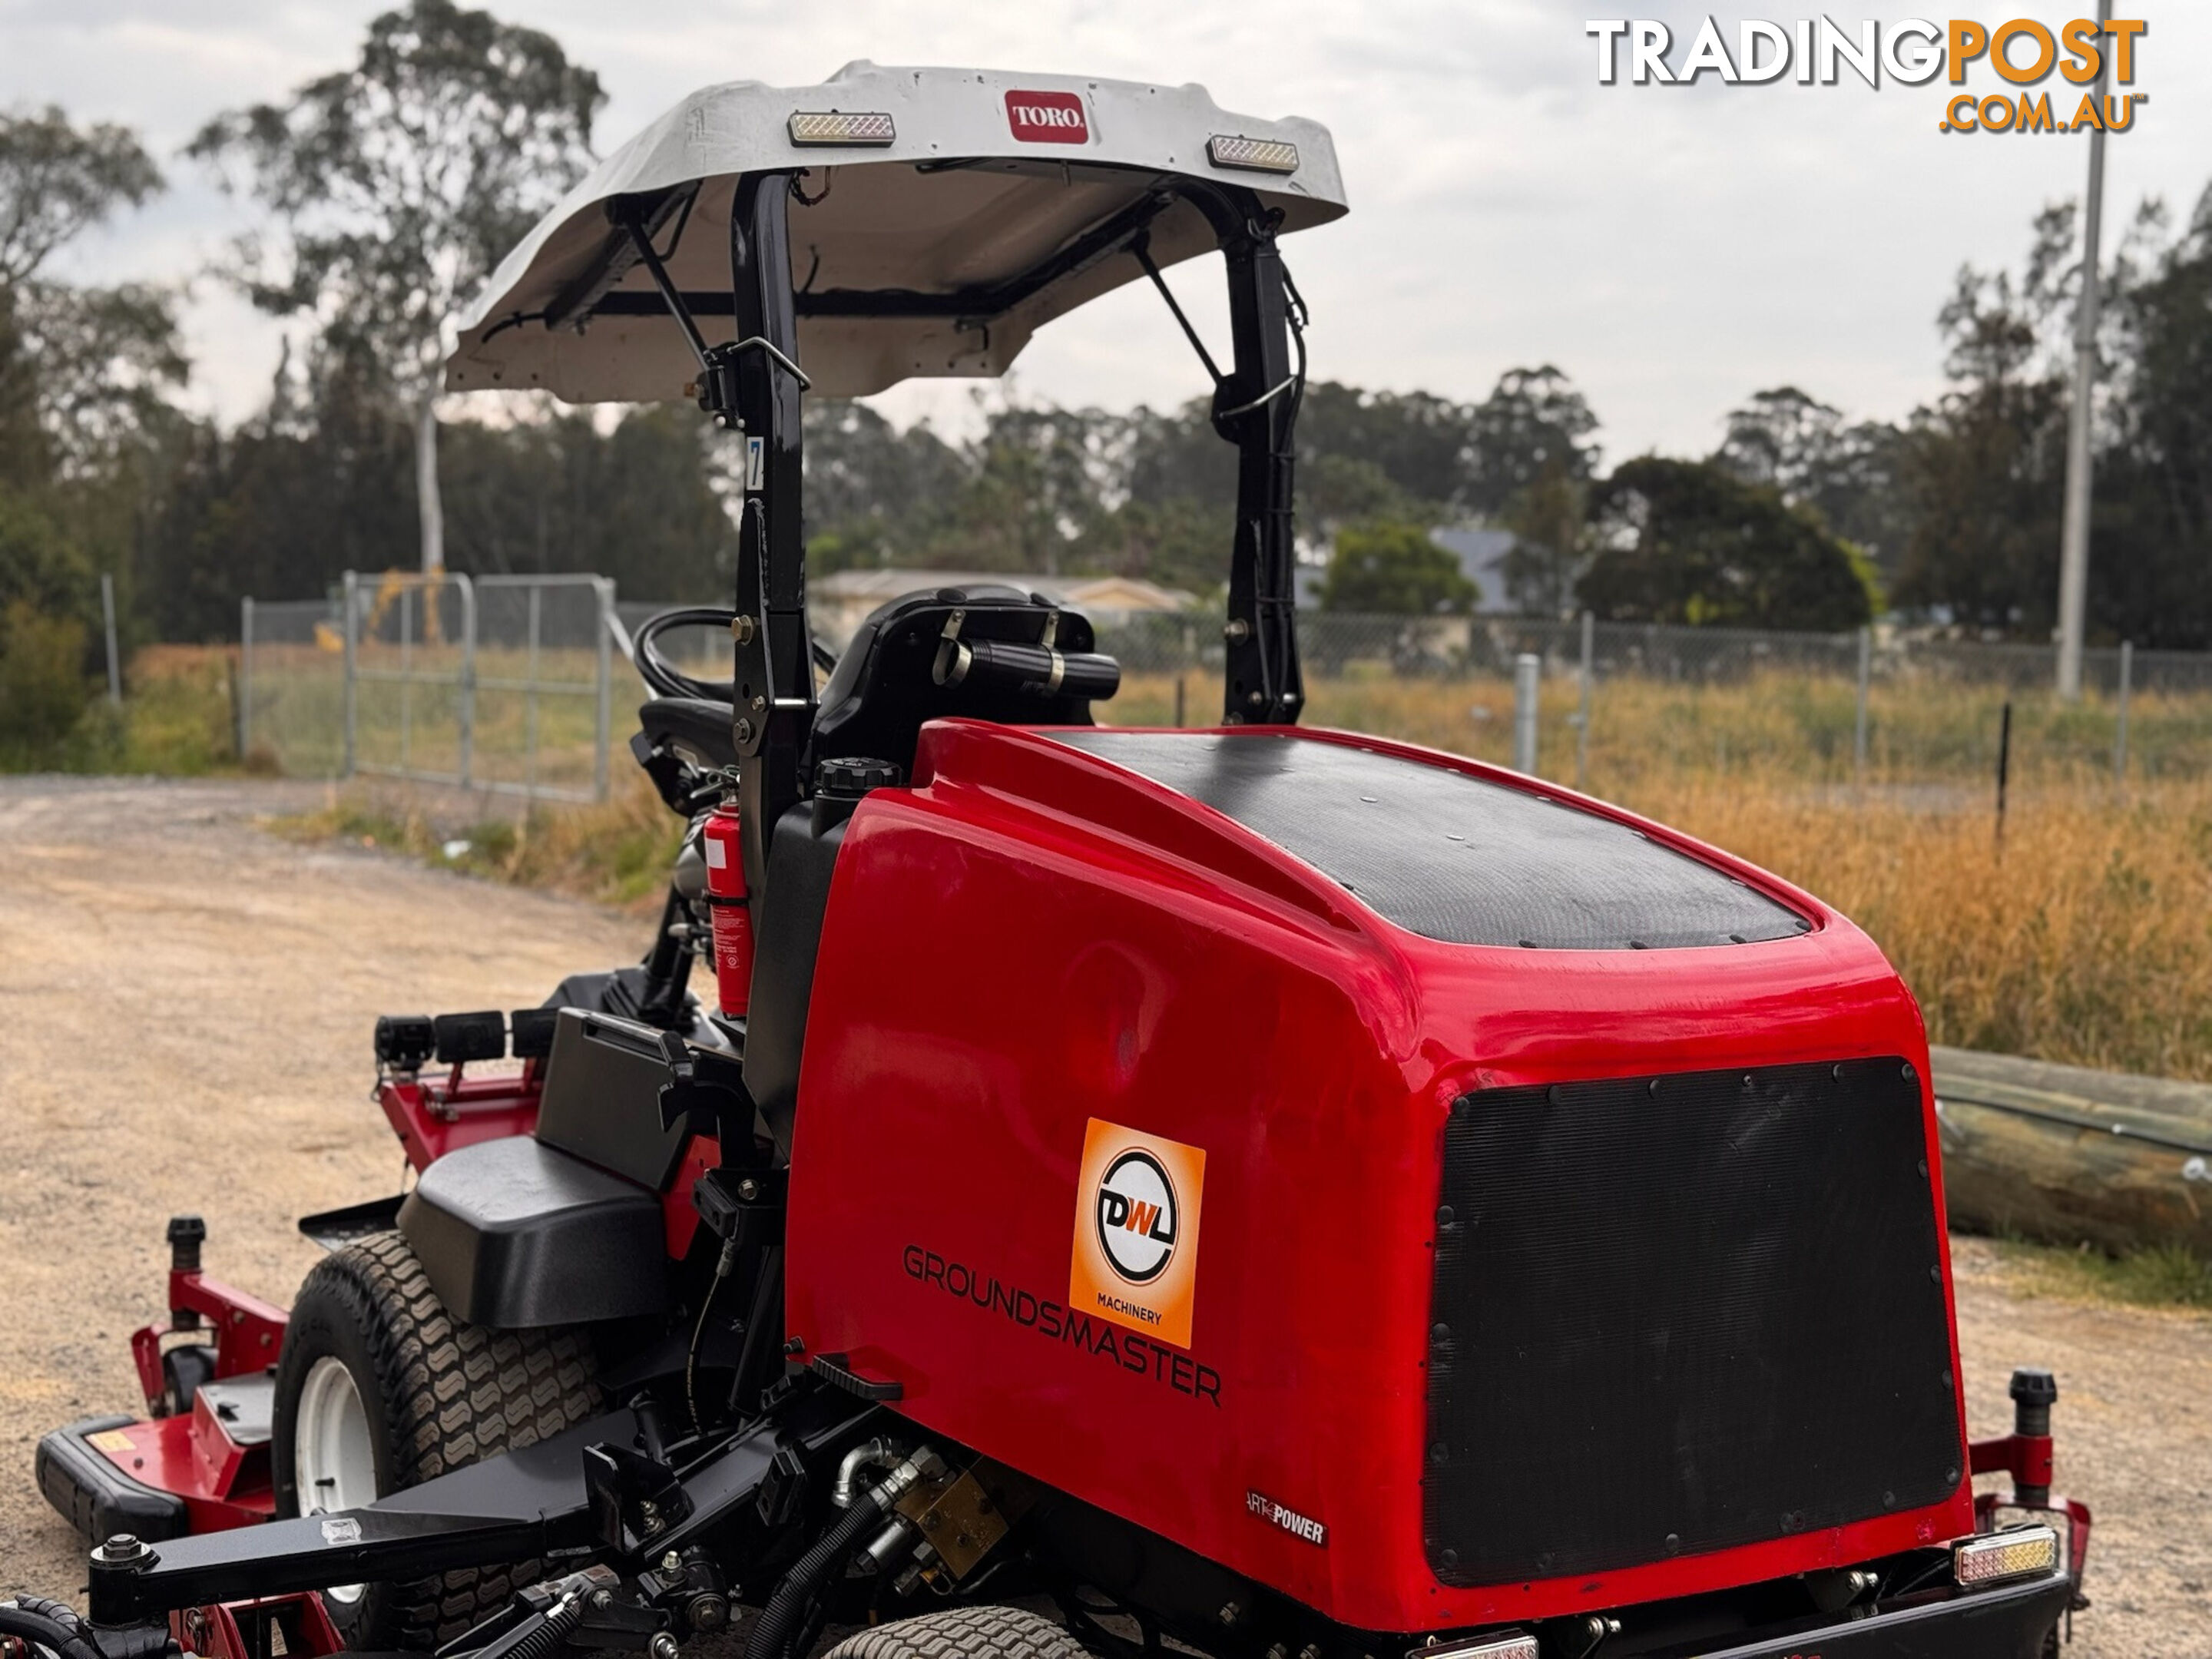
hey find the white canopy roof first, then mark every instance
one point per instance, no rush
(970, 181)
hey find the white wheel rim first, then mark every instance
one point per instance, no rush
(333, 1458)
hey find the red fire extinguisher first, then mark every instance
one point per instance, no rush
(732, 907)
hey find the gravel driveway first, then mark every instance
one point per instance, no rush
(187, 1002)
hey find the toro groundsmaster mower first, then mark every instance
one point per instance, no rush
(1256, 1191)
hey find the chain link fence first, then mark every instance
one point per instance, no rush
(1615, 703)
(504, 684)
(521, 684)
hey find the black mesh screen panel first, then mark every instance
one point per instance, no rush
(1679, 1314)
(1448, 855)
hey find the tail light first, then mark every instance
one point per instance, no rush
(2001, 1556)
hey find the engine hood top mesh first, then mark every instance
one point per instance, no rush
(1451, 856)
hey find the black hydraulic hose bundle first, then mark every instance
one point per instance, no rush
(784, 1618)
(48, 1625)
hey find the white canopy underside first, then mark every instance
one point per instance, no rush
(895, 217)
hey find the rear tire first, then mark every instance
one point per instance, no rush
(372, 1356)
(983, 1633)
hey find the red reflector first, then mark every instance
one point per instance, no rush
(1048, 118)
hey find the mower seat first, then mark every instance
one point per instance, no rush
(882, 690)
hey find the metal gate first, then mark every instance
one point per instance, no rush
(495, 682)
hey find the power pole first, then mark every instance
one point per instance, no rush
(2074, 543)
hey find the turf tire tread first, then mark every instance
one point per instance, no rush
(454, 1393)
(979, 1633)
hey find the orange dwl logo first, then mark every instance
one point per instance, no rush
(1136, 1230)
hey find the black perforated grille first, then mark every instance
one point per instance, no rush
(1677, 1314)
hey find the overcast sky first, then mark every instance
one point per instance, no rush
(1671, 248)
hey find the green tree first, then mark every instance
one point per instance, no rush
(1688, 542)
(875, 494)
(1394, 569)
(77, 365)
(82, 372)
(398, 183)
(57, 182)
(555, 494)
(1417, 443)
(1548, 553)
(1035, 485)
(1533, 420)
(2150, 571)
(1985, 469)
(1177, 542)
(1850, 473)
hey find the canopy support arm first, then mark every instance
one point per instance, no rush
(756, 382)
(1255, 407)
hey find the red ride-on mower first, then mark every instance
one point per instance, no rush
(1275, 1193)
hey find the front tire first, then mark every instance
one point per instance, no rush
(380, 1388)
(978, 1632)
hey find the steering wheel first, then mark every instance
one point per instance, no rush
(669, 681)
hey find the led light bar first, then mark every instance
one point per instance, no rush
(1255, 156)
(2002, 1555)
(872, 129)
(1511, 1645)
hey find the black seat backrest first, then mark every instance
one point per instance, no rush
(882, 690)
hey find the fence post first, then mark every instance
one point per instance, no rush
(2120, 737)
(349, 597)
(1582, 718)
(1859, 729)
(2004, 763)
(244, 679)
(1528, 671)
(605, 588)
(107, 619)
(467, 717)
(407, 665)
(530, 698)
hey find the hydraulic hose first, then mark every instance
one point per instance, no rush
(780, 1622)
(783, 1621)
(50, 1624)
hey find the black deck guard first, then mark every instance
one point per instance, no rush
(517, 1236)
(98, 1499)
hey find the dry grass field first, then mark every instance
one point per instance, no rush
(2085, 936)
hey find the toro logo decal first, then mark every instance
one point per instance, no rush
(1136, 1230)
(1048, 118)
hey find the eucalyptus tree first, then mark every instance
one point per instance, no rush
(394, 186)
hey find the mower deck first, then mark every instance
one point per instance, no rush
(165, 1477)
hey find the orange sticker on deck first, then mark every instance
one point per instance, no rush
(1136, 1230)
(110, 1440)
